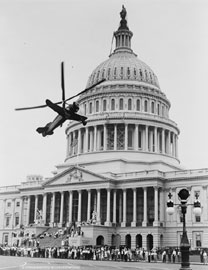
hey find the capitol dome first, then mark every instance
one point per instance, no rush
(128, 125)
(123, 63)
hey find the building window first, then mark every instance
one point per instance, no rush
(6, 238)
(152, 107)
(198, 240)
(7, 221)
(121, 102)
(145, 106)
(9, 204)
(197, 218)
(138, 105)
(17, 204)
(97, 105)
(17, 221)
(112, 104)
(90, 109)
(129, 104)
(104, 105)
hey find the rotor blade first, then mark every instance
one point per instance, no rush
(31, 108)
(43, 106)
(62, 84)
(85, 90)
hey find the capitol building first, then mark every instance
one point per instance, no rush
(118, 169)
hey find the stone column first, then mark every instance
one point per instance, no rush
(146, 138)
(123, 224)
(156, 222)
(104, 137)
(126, 137)
(108, 222)
(61, 209)
(168, 143)
(44, 207)
(98, 206)
(70, 205)
(176, 148)
(115, 137)
(13, 213)
(68, 145)
(203, 201)
(52, 209)
(133, 223)
(21, 211)
(89, 204)
(136, 137)
(163, 141)
(162, 205)
(28, 210)
(144, 223)
(79, 142)
(91, 141)
(95, 138)
(79, 219)
(36, 206)
(155, 139)
(86, 139)
(114, 206)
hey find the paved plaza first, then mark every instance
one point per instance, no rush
(8, 262)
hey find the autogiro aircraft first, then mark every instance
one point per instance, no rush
(68, 112)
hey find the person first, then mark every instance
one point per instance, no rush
(174, 255)
(164, 256)
(205, 257)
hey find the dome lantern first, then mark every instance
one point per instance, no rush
(123, 35)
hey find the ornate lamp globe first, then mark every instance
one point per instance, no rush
(170, 207)
(197, 206)
(183, 194)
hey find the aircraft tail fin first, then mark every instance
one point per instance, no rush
(44, 130)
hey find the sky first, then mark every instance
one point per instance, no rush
(171, 36)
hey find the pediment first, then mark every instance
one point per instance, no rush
(74, 175)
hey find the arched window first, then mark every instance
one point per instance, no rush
(152, 107)
(129, 104)
(104, 105)
(97, 105)
(121, 103)
(112, 104)
(138, 107)
(145, 106)
(90, 108)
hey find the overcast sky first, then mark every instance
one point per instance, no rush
(171, 36)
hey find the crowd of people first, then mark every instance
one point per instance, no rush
(99, 253)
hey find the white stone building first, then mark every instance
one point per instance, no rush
(122, 166)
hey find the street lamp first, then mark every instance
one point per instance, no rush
(183, 196)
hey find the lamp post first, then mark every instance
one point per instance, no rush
(184, 246)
